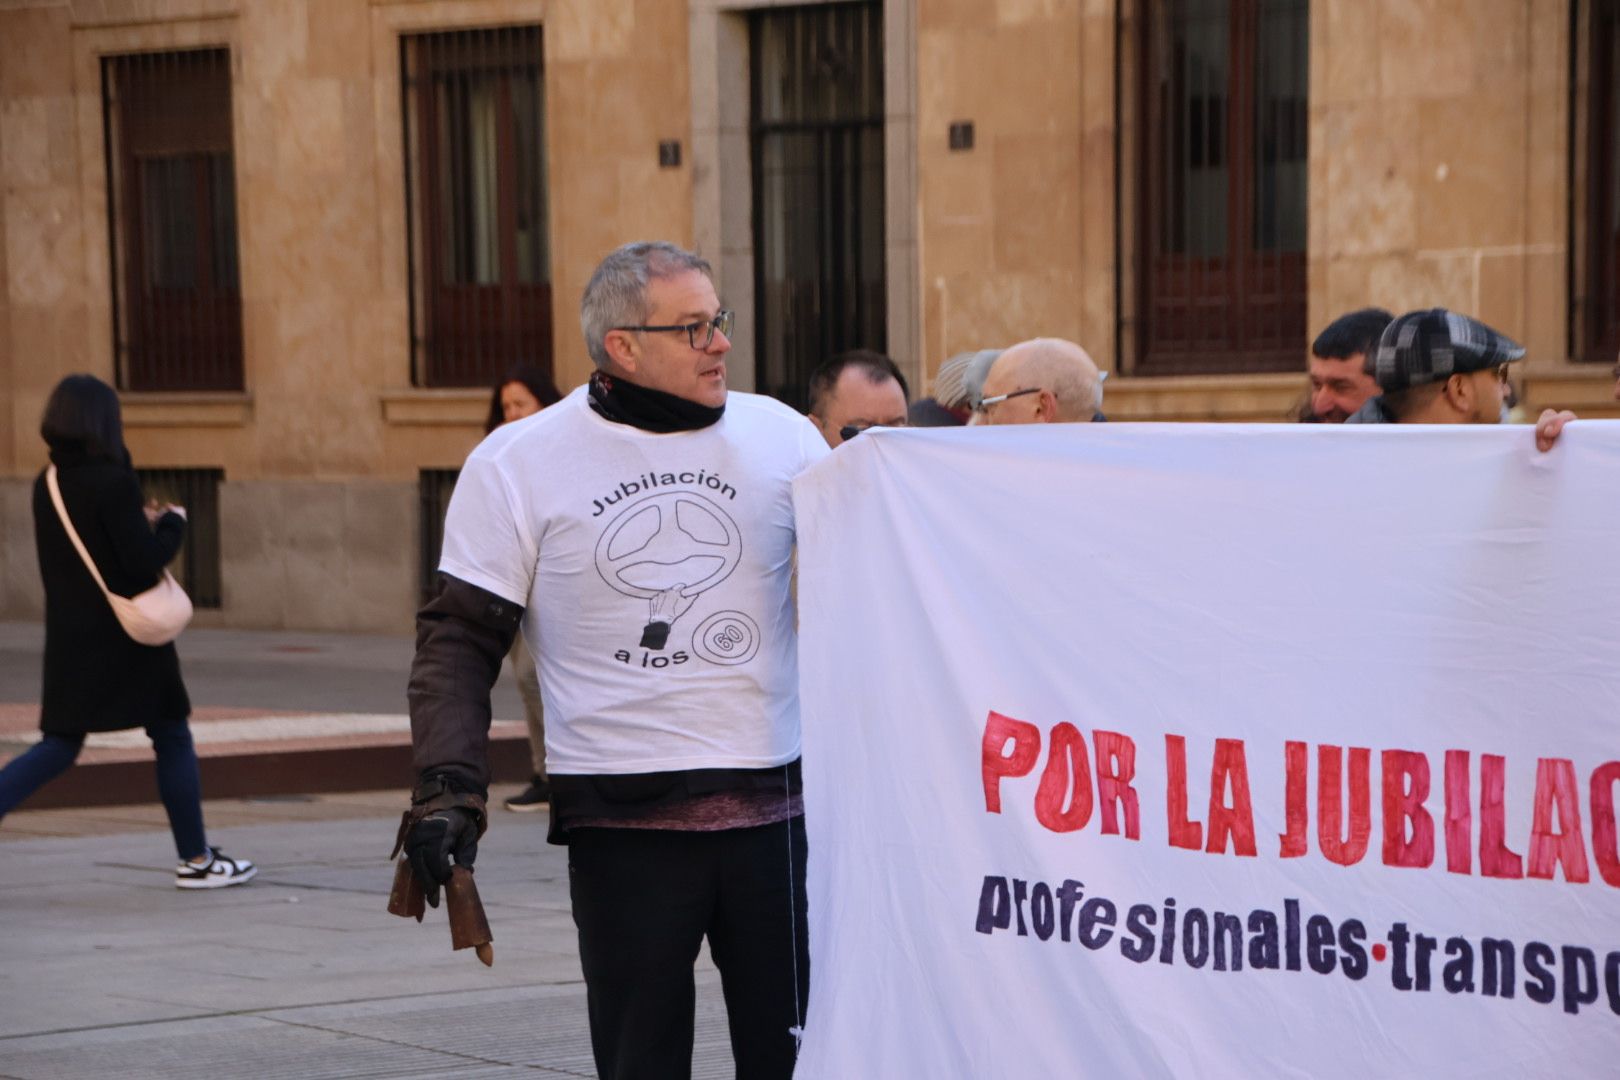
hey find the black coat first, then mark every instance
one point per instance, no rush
(98, 678)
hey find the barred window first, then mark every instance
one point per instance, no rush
(197, 565)
(433, 488)
(1597, 229)
(1224, 107)
(171, 192)
(480, 256)
(821, 284)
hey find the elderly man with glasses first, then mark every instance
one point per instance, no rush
(1042, 381)
(642, 530)
(1442, 367)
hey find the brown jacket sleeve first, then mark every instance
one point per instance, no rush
(462, 635)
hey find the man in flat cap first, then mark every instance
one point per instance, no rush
(1441, 367)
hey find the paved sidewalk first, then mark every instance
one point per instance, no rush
(107, 970)
(274, 712)
(270, 670)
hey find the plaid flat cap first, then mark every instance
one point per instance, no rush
(960, 381)
(1430, 346)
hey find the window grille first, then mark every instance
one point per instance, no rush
(820, 275)
(1224, 108)
(1597, 243)
(434, 488)
(480, 256)
(171, 194)
(197, 565)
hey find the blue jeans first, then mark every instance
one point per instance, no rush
(177, 777)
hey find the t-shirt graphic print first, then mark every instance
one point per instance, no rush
(655, 569)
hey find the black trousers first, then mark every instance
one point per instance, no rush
(644, 899)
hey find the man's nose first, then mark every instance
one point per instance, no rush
(720, 344)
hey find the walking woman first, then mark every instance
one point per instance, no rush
(98, 678)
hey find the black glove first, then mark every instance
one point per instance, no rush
(432, 842)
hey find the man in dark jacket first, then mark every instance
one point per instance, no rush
(1340, 374)
(649, 561)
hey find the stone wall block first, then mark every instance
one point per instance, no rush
(1429, 280)
(338, 42)
(381, 546)
(310, 136)
(1019, 12)
(253, 554)
(1421, 51)
(1037, 220)
(1500, 37)
(582, 29)
(1469, 183)
(1345, 62)
(44, 242)
(957, 14)
(1502, 289)
(1546, 301)
(953, 82)
(35, 57)
(22, 596)
(25, 154)
(1021, 63)
(989, 310)
(1370, 202)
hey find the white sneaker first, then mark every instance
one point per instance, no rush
(218, 872)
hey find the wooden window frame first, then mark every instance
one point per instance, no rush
(846, 315)
(168, 337)
(1242, 311)
(465, 334)
(1595, 172)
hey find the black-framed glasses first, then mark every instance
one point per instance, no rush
(984, 403)
(723, 322)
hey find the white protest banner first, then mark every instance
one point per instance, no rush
(1158, 750)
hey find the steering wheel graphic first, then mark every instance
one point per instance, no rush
(668, 549)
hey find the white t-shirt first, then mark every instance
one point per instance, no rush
(655, 570)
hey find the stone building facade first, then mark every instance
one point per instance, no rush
(928, 176)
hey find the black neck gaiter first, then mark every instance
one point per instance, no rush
(624, 402)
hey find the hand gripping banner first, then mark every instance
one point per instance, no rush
(1160, 750)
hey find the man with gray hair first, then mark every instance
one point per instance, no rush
(642, 530)
(1042, 381)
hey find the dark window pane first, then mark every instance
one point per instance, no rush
(172, 193)
(818, 189)
(197, 566)
(1196, 87)
(1221, 282)
(434, 488)
(1280, 126)
(169, 220)
(1600, 314)
(475, 145)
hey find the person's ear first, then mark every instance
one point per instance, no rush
(623, 349)
(1046, 409)
(1459, 392)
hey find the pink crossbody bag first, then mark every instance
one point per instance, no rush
(154, 617)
